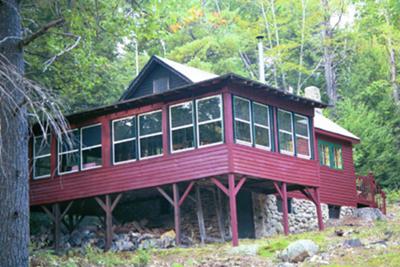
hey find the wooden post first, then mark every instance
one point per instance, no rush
(232, 207)
(177, 215)
(285, 220)
(108, 208)
(200, 216)
(220, 216)
(57, 227)
(319, 211)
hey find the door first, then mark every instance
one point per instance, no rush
(245, 214)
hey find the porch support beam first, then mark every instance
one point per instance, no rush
(108, 207)
(315, 198)
(282, 192)
(177, 214)
(232, 207)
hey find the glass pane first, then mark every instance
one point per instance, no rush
(42, 145)
(42, 166)
(337, 154)
(150, 146)
(302, 146)
(182, 138)
(209, 109)
(125, 151)
(242, 109)
(243, 132)
(325, 155)
(69, 162)
(91, 158)
(182, 115)
(262, 136)
(261, 115)
(91, 136)
(286, 142)
(150, 123)
(285, 121)
(210, 133)
(71, 141)
(301, 125)
(124, 129)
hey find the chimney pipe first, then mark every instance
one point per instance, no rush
(261, 70)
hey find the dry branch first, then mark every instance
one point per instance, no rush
(54, 23)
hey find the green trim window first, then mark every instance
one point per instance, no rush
(41, 157)
(251, 123)
(209, 121)
(68, 152)
(181, 123)
(330, 154)
(124, 140)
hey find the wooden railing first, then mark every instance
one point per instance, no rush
(370, 193)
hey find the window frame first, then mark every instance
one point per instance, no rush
(282, 151)
(221, 118)
(113, 142)
(61, 153)
(268, 148)
(331, 147)
(91, 147)
(250, 122)
(302, 136)
(171, 129)
(149, 135)
(154, 83)
(48, 136)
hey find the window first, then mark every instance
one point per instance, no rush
(150, 134)
(91, 147)
(285, 126)
(124, 140)
(334, 212)
(242, 116)
(330, 154)
(160, 85)
(182, 127)
(68, 152)
(279, 204)
(262, 132)
(209, 121)
(41, 157)
(302, 136)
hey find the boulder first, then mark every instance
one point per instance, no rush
(369, 214)
(299, 250)
(353, 243)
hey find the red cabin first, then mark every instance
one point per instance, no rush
(177, 129)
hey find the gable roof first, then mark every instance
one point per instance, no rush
(323, 123)
(189, 74)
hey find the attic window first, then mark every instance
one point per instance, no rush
(160, 85)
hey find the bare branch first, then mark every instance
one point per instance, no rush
(50, 61)
(27, 40)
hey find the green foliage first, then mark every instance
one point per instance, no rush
(269, 250)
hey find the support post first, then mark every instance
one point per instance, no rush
(232, 207)
(177, 215)
(200, 216)
(57, 227)
(319, 211)
(285, 220)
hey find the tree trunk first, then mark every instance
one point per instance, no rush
(14, 197)
(327, 38)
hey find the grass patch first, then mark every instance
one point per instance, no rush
(269, 250)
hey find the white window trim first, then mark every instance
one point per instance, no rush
(209, 121)
(265, 127)
(60, 153)
(90, 147)
(122, 141)
(39, 157)
(304, 137)
(171, 129)
(249, 122)
(283, 151)
(148, 135)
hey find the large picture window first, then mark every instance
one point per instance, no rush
(262, 129)
(68, 152)
(285, 127)
(91, 147)
(124, 140)
(150, 134)
(41, 157)
(302, 130)
(242, 116)
(182, 127)
(330, 154)
(209, 121)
